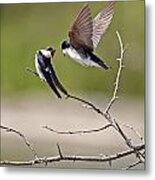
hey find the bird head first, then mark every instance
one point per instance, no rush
(51, 50)
(65, 45)
(47, 52)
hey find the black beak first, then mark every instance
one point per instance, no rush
(52, 51)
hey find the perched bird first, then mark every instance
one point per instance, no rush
(85, 35)
(46, 71)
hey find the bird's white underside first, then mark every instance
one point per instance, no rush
(46, 53)
(37, 66)
(73, 54)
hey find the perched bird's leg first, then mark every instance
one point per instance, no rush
(31, 71)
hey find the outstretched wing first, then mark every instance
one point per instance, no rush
(101, 22)
(82, 30)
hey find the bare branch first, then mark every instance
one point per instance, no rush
(128, 141)
(118, 76)
(31, 71)
(67, 158)
(28, 144)
(89, 104)
(135, 131)
(79, 131)
(133, 165)
(59, 150)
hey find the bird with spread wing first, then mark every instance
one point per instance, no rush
(85, 35)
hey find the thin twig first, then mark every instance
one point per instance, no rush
(89, 104)
(28, 144)
(59, 150)
(128, 141)
(115, 96)
(79, 131)
(123, 135)
(135, 131)
(132, 165)
(67, 158)
(31, 71)
(118, 76)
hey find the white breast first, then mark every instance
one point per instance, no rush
(37, 66)
(46, 53)
(72, 53)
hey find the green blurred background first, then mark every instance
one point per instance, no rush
(26, 28)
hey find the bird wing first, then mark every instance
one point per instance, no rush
(50, 82)
(82, 29)
(46, 71)
(56, 81)
(98, 61)
(101, 22)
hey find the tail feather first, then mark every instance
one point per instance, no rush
(51, 83)
(55, 90)
(57, 82)
(97, 60)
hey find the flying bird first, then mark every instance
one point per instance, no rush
(85, 35)
(45, 70)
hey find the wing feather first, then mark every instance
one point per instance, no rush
(56, 81)
(101, 22)
(82, 29)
